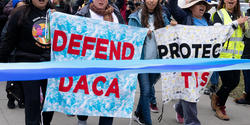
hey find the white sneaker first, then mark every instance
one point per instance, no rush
(137, 119)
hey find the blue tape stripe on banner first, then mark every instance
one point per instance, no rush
(44, 70)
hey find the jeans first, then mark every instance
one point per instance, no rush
(102, 120)
(188, 110)
(145, 91)
(246, 74)
(215, 78)
(152, 95)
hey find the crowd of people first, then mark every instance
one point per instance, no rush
(21, 42)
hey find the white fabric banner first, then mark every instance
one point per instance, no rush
(188, 42)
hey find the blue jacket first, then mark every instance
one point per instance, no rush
(183, 16)
(149, 50)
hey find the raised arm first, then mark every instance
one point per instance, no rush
(178, 13)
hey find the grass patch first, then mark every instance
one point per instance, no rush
(237, 92)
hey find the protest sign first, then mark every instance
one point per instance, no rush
(78, 38)
(188, 42)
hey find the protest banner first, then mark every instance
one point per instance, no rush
(188, 42)
(78, 38)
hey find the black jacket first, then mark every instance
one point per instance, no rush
(26, 38)
(3, 17)
(246, 51)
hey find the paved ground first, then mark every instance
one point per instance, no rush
(239, 114)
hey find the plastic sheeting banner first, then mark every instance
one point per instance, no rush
(78, 38)
(188, 42)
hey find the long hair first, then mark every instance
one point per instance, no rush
(158, 19)
(236, 12)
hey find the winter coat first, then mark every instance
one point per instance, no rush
(27, 38)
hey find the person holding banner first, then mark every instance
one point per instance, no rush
(104, 11)
(229, 13)
(25, 36)
(152, 17)
(194, 12)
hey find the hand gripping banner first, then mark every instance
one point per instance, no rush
(77, 38)
(188, 42)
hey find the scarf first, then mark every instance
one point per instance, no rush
(106, 13)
